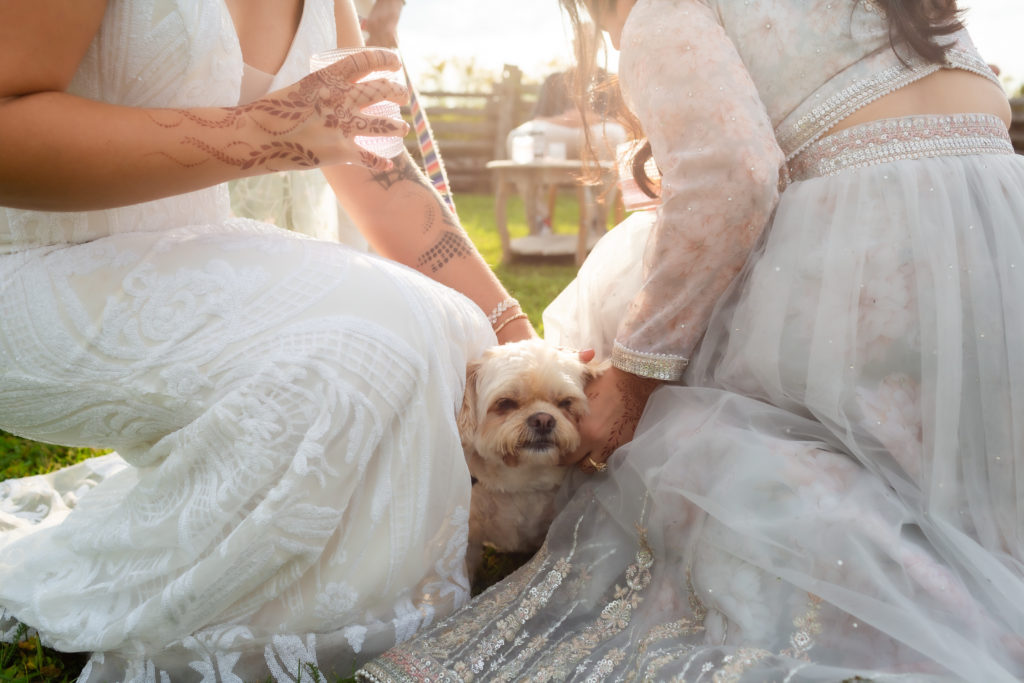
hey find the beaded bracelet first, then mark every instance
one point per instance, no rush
(501, 308)
(517, 316)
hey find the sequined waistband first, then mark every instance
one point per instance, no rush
(911, 137)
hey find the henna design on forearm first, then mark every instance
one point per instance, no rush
(324, 94)
(232, 115)
(258, 156)
(635, 391)
(403, 169)
(450, 246)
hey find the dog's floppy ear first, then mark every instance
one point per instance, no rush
(467, 419)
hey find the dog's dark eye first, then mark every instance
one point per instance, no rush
(506, 405)
(565, 403)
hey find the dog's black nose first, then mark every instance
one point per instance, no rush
(542, 423)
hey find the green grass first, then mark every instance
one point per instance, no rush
(26, 661)
(21, 458)
(534, 283)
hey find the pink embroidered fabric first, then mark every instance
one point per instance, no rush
(727, 92)
(720, 165)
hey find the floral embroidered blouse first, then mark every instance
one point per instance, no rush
(729, 92)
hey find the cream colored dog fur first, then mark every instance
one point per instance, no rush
(519, 421)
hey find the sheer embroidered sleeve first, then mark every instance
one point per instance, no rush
(719, 161)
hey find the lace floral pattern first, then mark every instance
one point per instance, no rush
(289, 492)
(311, 476)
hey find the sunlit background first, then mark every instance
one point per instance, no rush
(445, 42)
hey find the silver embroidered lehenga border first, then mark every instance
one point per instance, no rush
(912, 137)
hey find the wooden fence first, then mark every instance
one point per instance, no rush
(471, 127)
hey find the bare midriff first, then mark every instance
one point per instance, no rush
(947, 91)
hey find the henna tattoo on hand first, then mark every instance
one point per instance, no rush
(326, 94)
(635, 391)
(450, 246)
(374, 162)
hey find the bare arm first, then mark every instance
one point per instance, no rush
(404, 218)
(382, 24)
(63, 152)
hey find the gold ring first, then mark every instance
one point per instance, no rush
(598, 466)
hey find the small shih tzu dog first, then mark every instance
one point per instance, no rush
(519, 421)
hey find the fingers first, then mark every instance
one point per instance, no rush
(374, 162)
(576, 457)
(371, 126)
(361, 64)
(592, 463)
(366, 93)
(585, 355)
(591, 456)
(376, 126)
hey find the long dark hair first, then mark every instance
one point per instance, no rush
(916, 24)
(920, 24)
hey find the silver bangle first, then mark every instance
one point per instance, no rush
(500, 309)
(517, 316)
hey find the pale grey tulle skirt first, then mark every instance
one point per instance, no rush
(839, 490)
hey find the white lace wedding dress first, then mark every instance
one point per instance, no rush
(288, 488)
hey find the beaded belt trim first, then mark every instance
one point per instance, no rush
(795, 136)
(911, 137)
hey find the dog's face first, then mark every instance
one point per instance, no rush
(521, 410)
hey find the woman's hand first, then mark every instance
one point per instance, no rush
(68, 153)
(317, 118)
(617, 400)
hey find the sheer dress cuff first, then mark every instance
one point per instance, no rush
(654, 365)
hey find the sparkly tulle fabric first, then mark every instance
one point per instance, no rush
(288, 492)
(835, 491)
